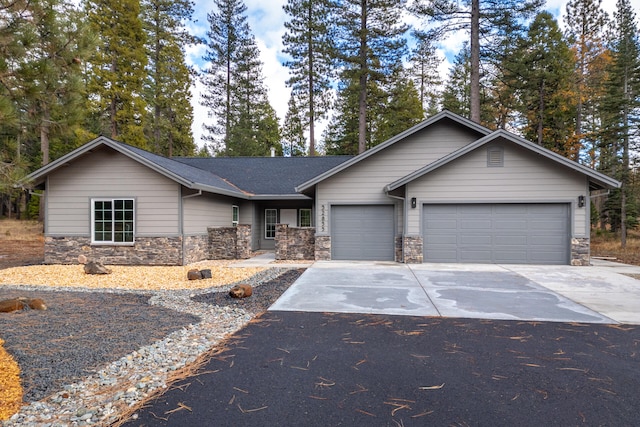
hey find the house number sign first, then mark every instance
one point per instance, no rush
(323, 213)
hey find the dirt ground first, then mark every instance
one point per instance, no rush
(15, 253)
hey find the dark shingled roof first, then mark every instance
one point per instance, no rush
(185, 171)
(265, 175)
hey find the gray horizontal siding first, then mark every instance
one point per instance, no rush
(106, 173)
(525, 177)
(205, 211)
(364, 182)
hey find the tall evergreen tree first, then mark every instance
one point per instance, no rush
(400, 109)
(118, 70)
(423, 69)
(42, 92)
(622, 115)
(228, 28)
(293, 130)
(543, 71)
(309, 41)
(52, 91)
(341, 135)
(370, 48)
(489, 21)
(235, 93)
(456, 93)
(585, 25)
(169, 78)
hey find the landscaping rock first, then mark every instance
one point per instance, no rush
(94, 267)
(15, 304)
(194, 275)
(241, 291)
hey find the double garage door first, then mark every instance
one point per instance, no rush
(496, 233)
(362, 232)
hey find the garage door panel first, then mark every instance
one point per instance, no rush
(475, 255)
(517, 240)
(442, 239)
(362, 232)
(442, 224)
(470, 239)
(476, 224)
(497, 233)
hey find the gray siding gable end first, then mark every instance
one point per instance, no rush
(443, 115)
(596, 179)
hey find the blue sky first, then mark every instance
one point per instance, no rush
(266, 19)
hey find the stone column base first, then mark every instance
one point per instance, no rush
(413, 250)
(323, 248)
(580, 251)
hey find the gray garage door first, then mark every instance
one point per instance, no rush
(497, 233)
(362, 232)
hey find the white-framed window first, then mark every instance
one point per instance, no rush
(235, 215)
(270, 221)
(113, 221)
(304, 218)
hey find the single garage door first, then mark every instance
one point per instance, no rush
(362, 232)
(496, 233)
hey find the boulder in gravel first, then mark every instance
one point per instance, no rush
(241, 291)
(15, 304)
(95, 267)
(206, 273)
(194, 274)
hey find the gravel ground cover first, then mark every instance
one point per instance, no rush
(79, 332)
(115, 337)
(263, 295)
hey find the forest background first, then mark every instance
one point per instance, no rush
(317, 77)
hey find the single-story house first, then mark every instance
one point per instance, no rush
(445, 190)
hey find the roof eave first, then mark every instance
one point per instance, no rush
(294, 196)
(442, 115)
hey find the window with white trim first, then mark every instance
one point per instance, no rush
(270, 221)
(304, 218)
(235, 215)
(112, 221)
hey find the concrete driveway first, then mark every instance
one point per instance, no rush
(595, 294)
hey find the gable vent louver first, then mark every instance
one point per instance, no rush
(495, 157)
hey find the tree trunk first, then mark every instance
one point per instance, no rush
(312, 112)
(475, 61)
(362, 102)
(44, 138)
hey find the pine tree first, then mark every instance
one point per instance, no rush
(53, 89)
(401, 108)
(118, 70)
(245, 123)
(168, 84)
(622, 115)
(492, 21)
(293, 130)
(586, 23)
(423, 69)
(456, 93)
(228, 30)
(310, 43)
(341, 135)
(543, 67)
(370, 47)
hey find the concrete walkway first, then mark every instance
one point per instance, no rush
(596, 294)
